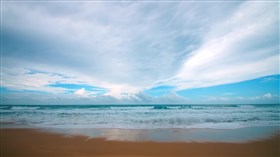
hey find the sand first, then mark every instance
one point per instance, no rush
(31, 142)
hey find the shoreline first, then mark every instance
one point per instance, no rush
(238, 135)
(36, 142)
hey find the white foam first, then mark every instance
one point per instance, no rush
(143, 117)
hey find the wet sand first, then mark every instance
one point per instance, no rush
(31, 142)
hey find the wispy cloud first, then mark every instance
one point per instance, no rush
(127, 48)
(234, 48)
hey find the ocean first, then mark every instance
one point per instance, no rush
(140, 116)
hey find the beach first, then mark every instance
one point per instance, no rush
(140, 130)
(33, 142)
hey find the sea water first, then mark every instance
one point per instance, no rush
(140, 116)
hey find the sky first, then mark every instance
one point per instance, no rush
(139, 52)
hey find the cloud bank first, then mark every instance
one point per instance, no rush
(126, 48)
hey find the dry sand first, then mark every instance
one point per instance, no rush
(28, 142)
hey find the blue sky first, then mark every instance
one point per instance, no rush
(140, 52)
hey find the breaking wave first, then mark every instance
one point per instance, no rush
(142, 116)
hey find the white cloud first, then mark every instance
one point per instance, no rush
(19, 79)
(240, 98)
(218, 99)
(228, 94)
(115, 49)
(232, 53)
(268, 96)
(80, 92)
(268, 79)
(121, 91)
(128, 47)
(265, 98)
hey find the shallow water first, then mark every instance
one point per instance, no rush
(239, 135)
(140, 116)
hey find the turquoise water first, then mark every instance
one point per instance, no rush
(140, 116)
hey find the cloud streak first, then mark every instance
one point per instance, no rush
(250, 41)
